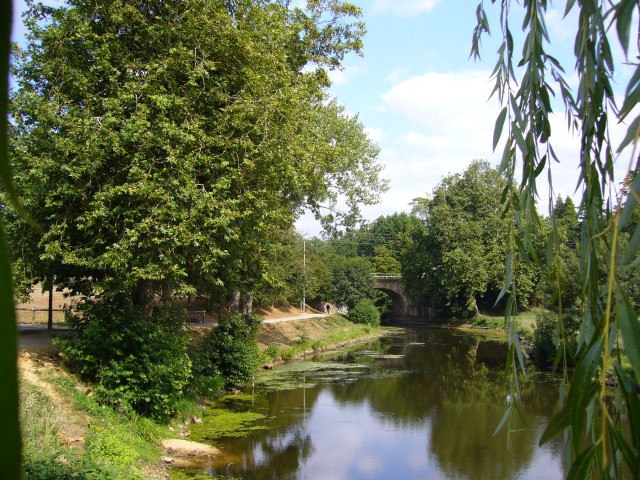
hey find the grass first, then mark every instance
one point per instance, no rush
(336, 330)
(525, 322)
(117, 445)
(45, 457)
(39, 420)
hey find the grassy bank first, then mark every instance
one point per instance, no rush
(525, 323)
(280, 342)
(68, 435)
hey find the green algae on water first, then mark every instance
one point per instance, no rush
(194, 474)
(296, 375)
(224, 421)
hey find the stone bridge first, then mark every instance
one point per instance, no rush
(393, 286)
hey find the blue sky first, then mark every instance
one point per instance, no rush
(425, 102)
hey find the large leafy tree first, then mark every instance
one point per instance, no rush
(461, 253)
(351, 281)
(163, 145)
(593, 428)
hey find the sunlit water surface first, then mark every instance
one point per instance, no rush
(418, 405)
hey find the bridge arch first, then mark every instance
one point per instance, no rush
(393, 286)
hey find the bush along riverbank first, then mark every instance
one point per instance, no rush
(74, 429)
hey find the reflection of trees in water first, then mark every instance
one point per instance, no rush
(462, 443)
(280, 451)
(456, 381)
(462, 438)
(447, 380)
(436, 367)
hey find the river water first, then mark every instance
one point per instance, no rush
(419, 404)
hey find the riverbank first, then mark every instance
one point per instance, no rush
(67, 434)
(284, 341)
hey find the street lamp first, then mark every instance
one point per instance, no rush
(304, 274)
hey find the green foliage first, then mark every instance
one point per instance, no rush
(137, 360)
(230, 351)
(387, 236)
(608, 214)
(365, 312)
(113, 446)
(38, 421)
(271, 353)
(49, 468)
(184, 189)
(457, 261)
(351, 281)
(384, 261)
(545, 340)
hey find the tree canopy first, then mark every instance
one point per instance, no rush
(460, 255)
(163, 147)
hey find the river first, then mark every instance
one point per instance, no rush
(418, 404)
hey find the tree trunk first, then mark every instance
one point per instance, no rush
(472, 306)
(247, 305)
(50, 319)
(144, 297)
(234, 302)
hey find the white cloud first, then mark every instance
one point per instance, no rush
(435, 124)
(403, 8)
(443, 103)
(376, 135)
(396, 75)
(342, 77)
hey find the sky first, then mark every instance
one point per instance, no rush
(425, 102)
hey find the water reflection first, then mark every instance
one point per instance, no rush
(420, 405)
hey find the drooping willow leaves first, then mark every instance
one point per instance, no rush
(593, 426)
(9, 424)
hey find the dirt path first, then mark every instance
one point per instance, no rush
(37, 339)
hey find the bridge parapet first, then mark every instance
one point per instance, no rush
(386, 276)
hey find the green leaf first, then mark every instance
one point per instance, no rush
(623, 446)
(630, 330)
(497, 131)
(505, 417)
(586, 369)
(623, 15)
(633, 403)
(632, 248)
(540, 166)
(582, 464)
(631, 201)
(508, 277)
(519, 138)
(506, 157)
(632, 133)
(568, 7)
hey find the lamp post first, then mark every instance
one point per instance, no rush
(304, 274)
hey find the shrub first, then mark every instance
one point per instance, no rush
(230, 351)
(545, 339)
(365, 312)
(137, 360)
(68, 468)
(271, 353)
